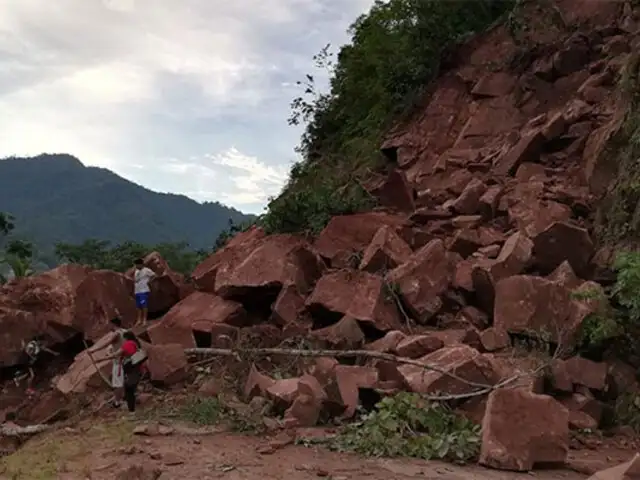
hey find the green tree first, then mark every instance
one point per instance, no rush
(232, 230)
(395, 51)
(6, 223)
(100, 254)
(18, 254)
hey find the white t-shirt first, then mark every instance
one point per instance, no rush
(142, 278)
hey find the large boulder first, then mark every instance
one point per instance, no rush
(423, 278)
(360, 295)
(536, 306)
(346, 234)
(87, 369)
(101, 296)
(627, 471)
(521, 429)
(459, 369)
(278, 260)
(199, 310)
(235, 251)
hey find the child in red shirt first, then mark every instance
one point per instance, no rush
(133, 367)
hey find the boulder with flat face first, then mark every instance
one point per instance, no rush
(521, 429)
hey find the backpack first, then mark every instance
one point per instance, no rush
(136, 359)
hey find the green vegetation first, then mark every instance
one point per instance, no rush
(56, 199)
(100, 254)
(210, 411)
(618, 217)
(407, 425)
(17, 255)
(395, 51)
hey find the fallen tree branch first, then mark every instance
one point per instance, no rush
(481, 388)
(18, 431)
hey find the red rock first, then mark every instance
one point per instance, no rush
(360, 295)
(533, 217)
(536, 306)
(424, 215)
(562, 241)
(388, 343)
(305, 409)
(324, 369)
(495, 84)
(460, 360)
(22, 325)
(415, 346)
(560, 377)
(584, 403)
(491, 251)
(140, 472)
(468, 203)
(210, 388)
(521, 429)
(167, 363)
(565, 276)
(512, 260)
(353, 233)
(283, 392)
(395, 192)
(201, 308)
(343, 392)
(236, 250)
(278, 261)
(386, 251)
(82, 373)
(423, 278)
(465, 242)
(475, 317)
(527, 171)
(466, 221)
(581, 421)
(527, 149)
(257, 384)
(101, 296)
(555, 127)
(598, 170)
(588, 373)
(572, 58)
(288, 306)
(457, 336)
(493, 339)
(626, 471)
(489, 201)
(346, 334)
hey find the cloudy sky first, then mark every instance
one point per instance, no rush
(185, 96)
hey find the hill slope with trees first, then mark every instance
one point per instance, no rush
(56, 199)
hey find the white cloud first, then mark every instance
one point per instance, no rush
(127, 84)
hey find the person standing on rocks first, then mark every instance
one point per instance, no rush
(142, 277)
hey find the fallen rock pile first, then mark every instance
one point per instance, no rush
(484, 236)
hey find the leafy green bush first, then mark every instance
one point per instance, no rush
(395, 51)
(407, 425)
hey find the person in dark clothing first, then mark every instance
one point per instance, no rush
(134, 365)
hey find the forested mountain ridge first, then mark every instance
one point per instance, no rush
(55, 198)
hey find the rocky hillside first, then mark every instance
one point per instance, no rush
(484, 246)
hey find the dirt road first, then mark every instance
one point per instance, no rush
(104, 450)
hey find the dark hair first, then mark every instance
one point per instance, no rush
(138, 261)
(116, 321)
(129, 335)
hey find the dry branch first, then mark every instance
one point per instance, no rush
(481, 388)
(18, 431)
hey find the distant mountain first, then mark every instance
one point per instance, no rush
(55, 198)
